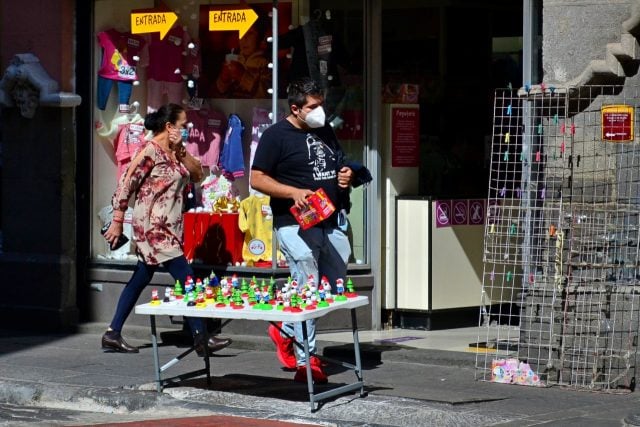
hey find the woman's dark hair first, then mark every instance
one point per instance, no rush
(298, 90)
(156, 121)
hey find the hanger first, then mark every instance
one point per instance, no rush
(132, 115)
(133, 109)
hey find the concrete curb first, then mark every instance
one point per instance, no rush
(81, 397)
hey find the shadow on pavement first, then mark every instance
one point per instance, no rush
(261, 386)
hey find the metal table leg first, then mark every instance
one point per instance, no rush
(358, 385)
(356, 350)
(156, 357)
(160, 369)
(207, 364)
(305, 338)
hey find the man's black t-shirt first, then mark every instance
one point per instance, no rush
(307, 159)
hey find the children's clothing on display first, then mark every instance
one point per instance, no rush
(166, 65)
(122, 53)
(104, 89)
(166, 55)
(205, 137)
(157, 91)
(232, 157)
(256, 222)
(316, 52)
(127, 134)
(129, 140)
(259, 123)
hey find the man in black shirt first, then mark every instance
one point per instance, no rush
(295, 157)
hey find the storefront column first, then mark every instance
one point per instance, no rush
(38, 263)
(38, 258)
(372, 36)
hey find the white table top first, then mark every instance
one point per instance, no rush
(179, 308)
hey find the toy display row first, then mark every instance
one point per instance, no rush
(231, 292)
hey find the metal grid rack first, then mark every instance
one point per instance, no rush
(561, 281)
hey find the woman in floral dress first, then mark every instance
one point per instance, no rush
(157, 177)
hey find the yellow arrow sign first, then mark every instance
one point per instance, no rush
(152, 22)
(232, 20)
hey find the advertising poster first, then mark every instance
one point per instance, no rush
(405, 137)
(234, 67)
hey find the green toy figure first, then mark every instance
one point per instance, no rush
(177, 290)
(351, 292)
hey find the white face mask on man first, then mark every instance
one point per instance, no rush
(315, 118)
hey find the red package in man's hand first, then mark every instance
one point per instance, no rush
(319, 207)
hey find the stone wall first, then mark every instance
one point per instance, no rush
(575, 32)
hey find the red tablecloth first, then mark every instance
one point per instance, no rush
(213, 238)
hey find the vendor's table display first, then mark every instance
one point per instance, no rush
(234, 299)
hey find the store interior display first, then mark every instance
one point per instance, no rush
(173, 61)
(224, 83)
(317, 50)
(122, 53)
(256, 222)
(126, 133)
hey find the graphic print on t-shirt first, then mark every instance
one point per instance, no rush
(318, 151)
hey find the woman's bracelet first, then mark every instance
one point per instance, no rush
(120, 220)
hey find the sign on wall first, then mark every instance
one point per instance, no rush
(460, 212)
(617, 123)
(405, 137)
(152, 21)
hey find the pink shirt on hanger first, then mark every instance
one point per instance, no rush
(166, 55)
(127, 143)
(205, 137)
(118, 52)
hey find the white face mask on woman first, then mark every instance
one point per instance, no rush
(315, 118)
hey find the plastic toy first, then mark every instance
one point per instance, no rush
(340, 290)
(155, 300)
(351, 292)
(177, 290)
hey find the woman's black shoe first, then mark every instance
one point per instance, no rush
(213, 343)
(113, 341)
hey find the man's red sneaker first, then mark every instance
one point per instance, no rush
(316, 361)
(284, 348)
(318, 376)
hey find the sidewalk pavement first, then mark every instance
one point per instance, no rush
(405, 386)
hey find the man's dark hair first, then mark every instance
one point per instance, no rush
(298, 90)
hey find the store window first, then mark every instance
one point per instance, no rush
(343, 23)
(447, 58)
(193, 66)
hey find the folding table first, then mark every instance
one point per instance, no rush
(179, 308)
